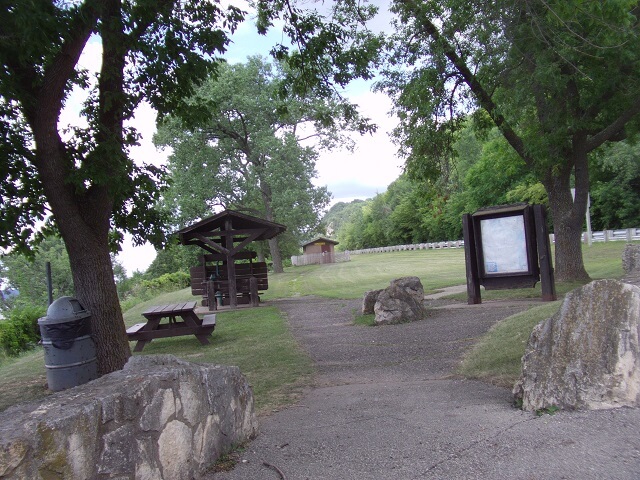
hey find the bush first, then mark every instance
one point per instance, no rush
(147, 289)
(20, 331)
(168, 282)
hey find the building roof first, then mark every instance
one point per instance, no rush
(320, 239)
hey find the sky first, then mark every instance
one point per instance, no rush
(360, 174)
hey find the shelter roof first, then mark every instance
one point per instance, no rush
(226, 225)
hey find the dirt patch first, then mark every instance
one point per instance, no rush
(430, 348)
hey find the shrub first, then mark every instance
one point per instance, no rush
(168, 282)
(147, 289)
(20, 331)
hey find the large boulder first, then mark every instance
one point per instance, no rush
(586, 356)
(402, 301)
(158, 418)
(369, 301)
(631, 258)
(411, 285)
(631, 263)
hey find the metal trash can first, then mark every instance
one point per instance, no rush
(69, 350)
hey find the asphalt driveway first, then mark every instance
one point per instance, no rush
(386, 405)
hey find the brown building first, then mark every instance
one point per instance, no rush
(319, 245)
(321, 249)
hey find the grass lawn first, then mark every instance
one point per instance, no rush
(496, 358)
(259, 342)
(255, 339)
(22, 378)
(436, 269)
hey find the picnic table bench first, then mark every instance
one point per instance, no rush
(212, 282)
(189, 324)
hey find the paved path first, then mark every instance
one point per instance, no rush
(385, 405)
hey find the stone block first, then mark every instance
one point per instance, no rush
(159, 418)
(369, 301)
(631, 258)
(586, 356)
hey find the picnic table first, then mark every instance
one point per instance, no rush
(154, 327)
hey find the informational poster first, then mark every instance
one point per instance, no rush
(504, 245)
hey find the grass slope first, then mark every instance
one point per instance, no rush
(496, 357)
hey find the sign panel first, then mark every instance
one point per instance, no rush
(504, 245)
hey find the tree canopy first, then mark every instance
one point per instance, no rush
(249, 154)
(83, 183)
(558, 79)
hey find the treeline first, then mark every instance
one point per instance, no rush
(19, 312)
(484, 172)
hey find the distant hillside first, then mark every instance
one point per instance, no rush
(340, 215)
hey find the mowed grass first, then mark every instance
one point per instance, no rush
(497, 356)
(255, 339)
(435, 268)
(22, 379)
(259, 342)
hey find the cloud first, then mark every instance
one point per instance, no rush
(374, 163)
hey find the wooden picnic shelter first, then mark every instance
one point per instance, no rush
(224, 237)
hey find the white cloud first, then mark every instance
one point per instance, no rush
(374, 163)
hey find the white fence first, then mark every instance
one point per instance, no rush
(624, 235)
(318, 258)
(415, 246)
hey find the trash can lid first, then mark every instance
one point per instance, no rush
(64, 309)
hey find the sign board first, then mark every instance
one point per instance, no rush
(503, 246)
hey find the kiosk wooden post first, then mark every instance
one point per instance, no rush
(547, 280)
(471, 261)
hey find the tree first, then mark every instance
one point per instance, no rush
(615, 191)
(29, 277)
(248, 153)
(558, 79)
(84, 185)
(82, 182)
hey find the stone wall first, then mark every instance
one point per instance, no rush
(158, 418)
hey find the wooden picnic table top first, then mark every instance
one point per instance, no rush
(153, 328)
(170, 309)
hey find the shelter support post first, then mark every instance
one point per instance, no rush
(211, 296)
(231, 267)
(253, 291)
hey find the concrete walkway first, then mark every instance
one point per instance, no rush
(446, 291)
(386, 405)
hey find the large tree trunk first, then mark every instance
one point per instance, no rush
(274, 247)
(83, 211)
(95, 289)
(276, 256)
(84, 224)
(568, 217)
